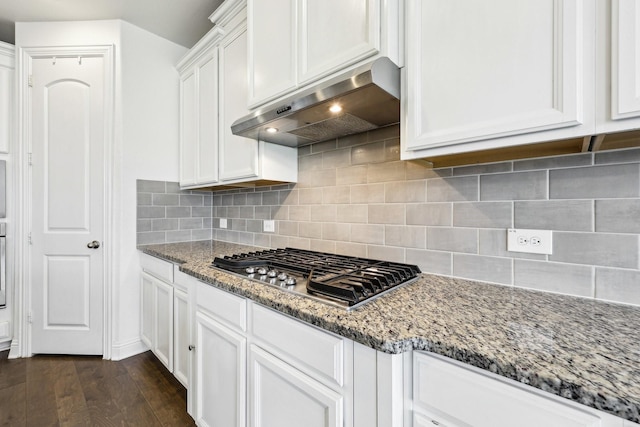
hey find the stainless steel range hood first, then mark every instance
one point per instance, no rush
(368, 97)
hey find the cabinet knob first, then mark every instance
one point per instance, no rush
(192, 347)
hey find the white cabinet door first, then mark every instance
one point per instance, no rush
(181, 337)
(147, 284)
(478, 71)
(295, 42)
(272, 49)
(6, 95)
(207, 165)
(238, 155)
(157, 318)
(163, 343)
(625, 59)
(280, 395)
(199, 121)
(220, 366)
(336, 34)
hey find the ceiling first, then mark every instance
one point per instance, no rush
(182, 21)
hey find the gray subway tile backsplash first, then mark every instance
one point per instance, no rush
(167, 214)
(355, 197)
(514, 186)
(595, 182)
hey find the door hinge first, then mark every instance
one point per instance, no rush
(30, 318)
(30, 159)
(30, 80)
(29, 238)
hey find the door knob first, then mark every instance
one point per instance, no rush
(93, 245)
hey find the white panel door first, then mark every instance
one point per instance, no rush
(625, 59)
(239, 155)
(336, 34)
(479, 70)
(68, 138)
(220, 374)
(280, 395)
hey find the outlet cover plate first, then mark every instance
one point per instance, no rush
(530, 241)
(223, 222)
(269, 226)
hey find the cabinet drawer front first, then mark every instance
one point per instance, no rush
(455, 395)
(157, 267)
(304, 346)
(228, 308)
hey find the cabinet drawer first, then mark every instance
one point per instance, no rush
(228, 308)
(306, 347)
(450, 394)
(157, 267)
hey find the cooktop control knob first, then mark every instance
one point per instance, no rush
(290, 281)
(272, 273)
(250, 270)
(262, 271)
(282, 277)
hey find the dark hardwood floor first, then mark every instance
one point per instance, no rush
(89, 391)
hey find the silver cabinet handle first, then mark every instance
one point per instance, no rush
(93, 245)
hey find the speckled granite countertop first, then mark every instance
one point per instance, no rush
(580, 349)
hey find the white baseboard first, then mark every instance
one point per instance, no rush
(14, 351)
(127, 349)
(5, 345)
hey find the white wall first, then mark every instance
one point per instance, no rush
(146, 125)
(150, 150)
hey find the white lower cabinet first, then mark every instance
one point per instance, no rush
(166, 316)
(157, 318)
(181, 336)
(220, 374)
(280, 395)
(449, 393)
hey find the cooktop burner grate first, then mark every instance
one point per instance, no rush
(343, 280)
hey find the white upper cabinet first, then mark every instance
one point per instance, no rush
(7, 55)
(214, 84)
(293, 43)
(485, 75)
(625, 66)
(239, 156)
(272, 48)
(618, 62)
(199, 115)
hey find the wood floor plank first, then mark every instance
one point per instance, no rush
(40, 392)
(13, 410)
(70, 401)
(12, 372)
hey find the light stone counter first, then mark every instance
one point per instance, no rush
(580, 349)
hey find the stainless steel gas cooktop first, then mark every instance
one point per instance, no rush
(339, 280)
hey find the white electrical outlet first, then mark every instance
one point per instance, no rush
(223, 222)
(530, 241)
(269, 226)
